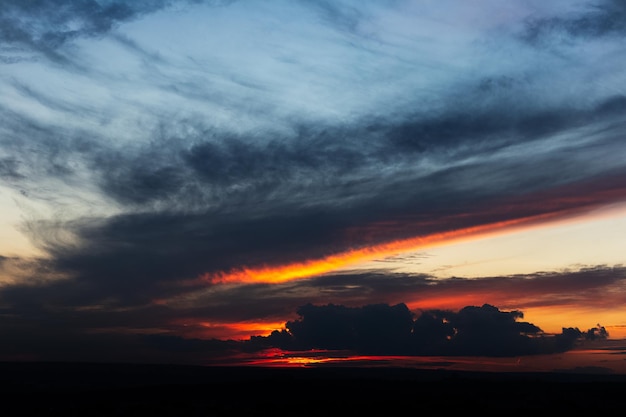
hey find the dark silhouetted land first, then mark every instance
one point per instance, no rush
(62, 389)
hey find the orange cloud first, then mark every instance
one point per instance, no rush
(314, 267)
(557, 204)
(198, 328)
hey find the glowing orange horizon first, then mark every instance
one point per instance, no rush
(245, 329)
(314, 267)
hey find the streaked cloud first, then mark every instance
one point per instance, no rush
(163, 154)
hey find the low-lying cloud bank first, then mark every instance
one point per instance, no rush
(383, 329)
(373, 329)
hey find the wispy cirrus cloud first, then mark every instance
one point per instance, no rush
(597, 20)
(45, 27)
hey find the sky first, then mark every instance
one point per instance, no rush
(186, 179)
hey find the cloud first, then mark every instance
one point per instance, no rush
(271, 303)
(131, 257)
(9, 169)
(367, 312)
(390, 330)
(211, 202)
(374, 329)
(84, 303)
(333, 164)
(223, 139)
(604, 18)
(46, 26)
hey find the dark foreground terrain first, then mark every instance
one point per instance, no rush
(61, 389)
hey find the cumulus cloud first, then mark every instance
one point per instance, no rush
(367, 313)
(382, 329)
(374, 329)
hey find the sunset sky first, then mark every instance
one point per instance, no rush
(177, 172)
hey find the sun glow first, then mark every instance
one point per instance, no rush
(242, 330)
(309, 268)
